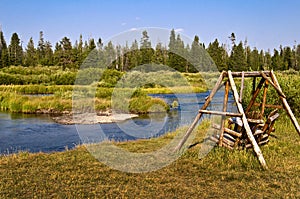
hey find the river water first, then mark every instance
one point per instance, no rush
(38, 133)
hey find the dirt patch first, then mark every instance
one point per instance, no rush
(92, 118)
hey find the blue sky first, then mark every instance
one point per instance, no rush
(265, 23)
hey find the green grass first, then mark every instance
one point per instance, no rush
(220, 174)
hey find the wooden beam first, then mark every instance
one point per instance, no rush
(224, 110)
(220, 113)
(199, 115)
(227, 130)
(267, 105)
(248, 74)
(263, 104)
(231, 132)
(242, 87)
(255, 94)
(246, 125)
(286, 105)
(279, 91)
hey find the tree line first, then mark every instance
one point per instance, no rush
(239, 56)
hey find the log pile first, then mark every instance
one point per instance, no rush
(246, 128)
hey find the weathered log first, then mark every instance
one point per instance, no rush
(197, 118)
(220, 113)
(286, 105)
(227, 146)
(255, 94)
(267, 105)
(245, 122)
(248, 73)
(242, 87)
(228, 136)
(228, 142)
(258, 132)
(214, 139)
(279, 91)
(232, 132)
(264, 98)
(224, 110)
(263, 142)
(255, 121)
(227, 130)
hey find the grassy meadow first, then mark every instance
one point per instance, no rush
(221, 174)
(50, 89)
(77, 174)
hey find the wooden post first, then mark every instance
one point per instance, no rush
(246, 125)
(224, 110)
(197, 118)
(255, 94)
(242, 87)
(264, 98)
(285, 104)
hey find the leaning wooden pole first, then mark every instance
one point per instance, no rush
(255, 94)
(285, 104)
(224, 110)
(199, 115)
(246, 124)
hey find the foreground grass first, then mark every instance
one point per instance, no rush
(220, 174)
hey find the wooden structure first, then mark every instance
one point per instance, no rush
(246, 128)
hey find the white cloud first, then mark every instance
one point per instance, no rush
(133, 29)
(179, 30)
(137, 18)
(123, 24)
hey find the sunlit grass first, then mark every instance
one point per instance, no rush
(220, 174)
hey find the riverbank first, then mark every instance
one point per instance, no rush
(220, 174)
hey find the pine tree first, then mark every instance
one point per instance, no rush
(57, 53)
(110, 55)
(287, 58)
(180, 56)
(262, 61)
(237, 60)
(92, 44)
(196, 56)
(232, 39)
(30, 56)
(254, 60)
(297, 57)
(268, 60)
(125, 57)
(134, 55)
(218, 54)
(158, 56)
(172, 50)
(66, 57)
(172, 41)
(15, 50)
(41, 49)
(4, 58)
(146, 49)
(48, 58)
(276, 61)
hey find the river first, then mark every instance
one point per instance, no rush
(39, 133)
